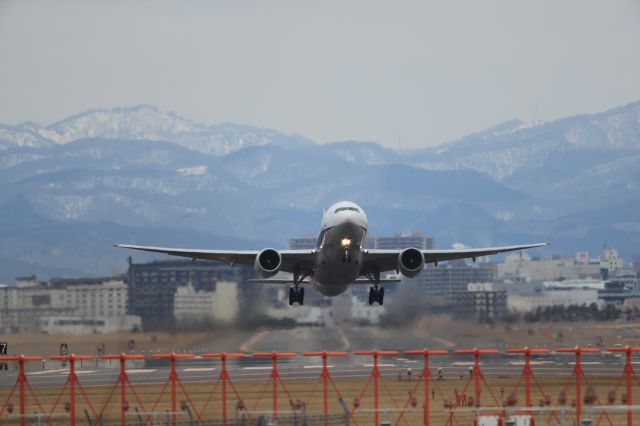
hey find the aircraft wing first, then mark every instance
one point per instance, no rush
(300, 259)
(387, 260)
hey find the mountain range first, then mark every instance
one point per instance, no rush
(141, 175)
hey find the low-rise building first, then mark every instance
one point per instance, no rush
(400, 241)
(447, 280)
(482, 300)
(526, 302)
(610, 261)
(522, 267)
(93, 298)
(153, 286)
(66, 305)
(622, 285)
(306, 243)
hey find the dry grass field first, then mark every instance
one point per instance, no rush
(452, 333)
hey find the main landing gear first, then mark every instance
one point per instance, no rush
(376, 293)
(296, 293)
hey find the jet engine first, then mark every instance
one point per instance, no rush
(410, 262)
(268, 263)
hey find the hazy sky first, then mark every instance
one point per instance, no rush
(397, 72)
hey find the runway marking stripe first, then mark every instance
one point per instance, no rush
(318, 366)
(141, 371)
(257, 368)
(379, 365)
(199, 369)
(37, 373)
(531, 362)
(85, 371)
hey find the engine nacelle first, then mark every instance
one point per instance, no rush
(268, 263)
(410, 262)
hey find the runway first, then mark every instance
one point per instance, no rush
(334, 337)
(351, 367)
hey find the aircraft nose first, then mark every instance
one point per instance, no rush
(353, 219)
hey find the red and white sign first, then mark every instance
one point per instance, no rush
(582, 257)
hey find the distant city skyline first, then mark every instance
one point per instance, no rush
(399, 73)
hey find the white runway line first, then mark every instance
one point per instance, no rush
(318, 366)
(39, 373)
(199, 369)
(379, 365)
(257, 368)
(141, 371)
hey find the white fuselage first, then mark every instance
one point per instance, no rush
(342, 233)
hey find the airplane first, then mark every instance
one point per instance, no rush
(339, 258)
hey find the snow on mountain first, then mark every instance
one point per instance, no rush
(369, 153)
(23, 135)
(145, 122)
(140, 122)
(514, 147)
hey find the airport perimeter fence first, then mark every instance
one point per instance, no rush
(469, 390)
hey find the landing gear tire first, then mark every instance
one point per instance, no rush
(296, 295)
(376, 295)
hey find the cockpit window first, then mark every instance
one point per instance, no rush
(343, 209)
